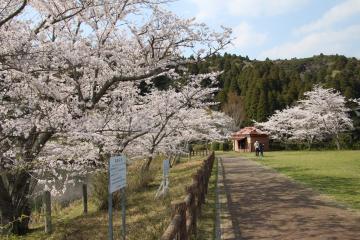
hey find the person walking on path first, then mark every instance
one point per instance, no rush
(257, 148)
(261, 149)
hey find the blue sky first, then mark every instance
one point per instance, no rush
(282, 28)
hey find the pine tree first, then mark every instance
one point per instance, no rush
(262, 106)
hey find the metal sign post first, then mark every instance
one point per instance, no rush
(117, 181)
(166, 168)
(164, 186)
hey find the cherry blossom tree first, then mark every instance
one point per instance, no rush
(66, 71)
(306, 126)
(279, 125)
(174, 112)
(357, 101)
(328, 106)
(321, 114)
(185, 126)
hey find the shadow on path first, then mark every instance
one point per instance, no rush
(266, 205)
(230, 205)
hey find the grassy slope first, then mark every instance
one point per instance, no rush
(335, 173)
(146, 218)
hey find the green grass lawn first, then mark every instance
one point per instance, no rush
(147, 218)
(334, 173)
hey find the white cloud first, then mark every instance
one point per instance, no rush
(254, 8)
(263, 7)
(338, 13)
(344, 41)
(323, 35)
(208, 8)
(245, 36)
(332, 33)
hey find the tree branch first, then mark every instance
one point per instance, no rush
(14, 14)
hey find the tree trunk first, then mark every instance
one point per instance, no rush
(14, 202)
(337, 142)
(207, 149)
(310, 141)
(17, 185)
(286, 145)
(146, 166)
(144, 172)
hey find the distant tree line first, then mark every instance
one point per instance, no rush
(270, 85)
(252, 90)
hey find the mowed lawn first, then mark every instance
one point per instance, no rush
(334, 173)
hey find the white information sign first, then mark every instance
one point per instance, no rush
(166, 168)
(117, 172)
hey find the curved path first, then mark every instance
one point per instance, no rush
(258, 203)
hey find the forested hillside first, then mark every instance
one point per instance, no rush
(265, 86)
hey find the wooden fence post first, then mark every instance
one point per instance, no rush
(200, 190)
(185, 213)
(205, 167)
(47, 211)
(85, 198)
(180, 209)
(191, 209)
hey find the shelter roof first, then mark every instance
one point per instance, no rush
(248, 131)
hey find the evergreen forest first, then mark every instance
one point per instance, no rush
(252, 90)
(266, 86)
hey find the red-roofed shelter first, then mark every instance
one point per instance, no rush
(243, 140)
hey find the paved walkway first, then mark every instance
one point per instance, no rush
(258, 203)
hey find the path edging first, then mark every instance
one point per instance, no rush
(224, 226)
